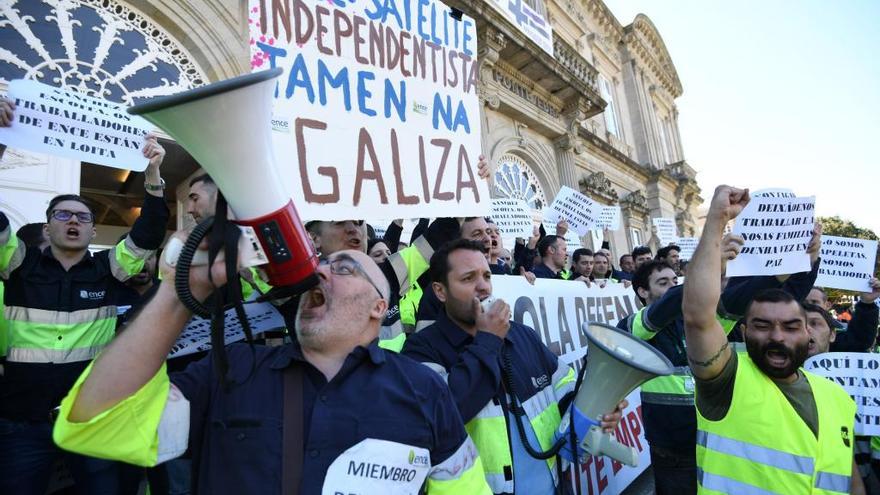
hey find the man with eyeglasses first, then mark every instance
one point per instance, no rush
(61, 307)
(370, 421)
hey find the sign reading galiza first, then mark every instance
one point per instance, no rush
(846, 263)
(376, 115)
(69, 124)
(777, 232)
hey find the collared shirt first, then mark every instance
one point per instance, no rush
(543, 271)
(376, 395)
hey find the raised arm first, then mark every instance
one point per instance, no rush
(134, 357)
(707, 345)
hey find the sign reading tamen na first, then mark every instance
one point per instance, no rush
(377, 114)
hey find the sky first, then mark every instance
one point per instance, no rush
(778, 93)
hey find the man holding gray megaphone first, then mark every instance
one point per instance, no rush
(517, 398)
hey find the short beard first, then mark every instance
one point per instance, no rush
(796, 358)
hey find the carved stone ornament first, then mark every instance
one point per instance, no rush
(102, 48)
(635, 204)
(514, 179)
(597, 185)
(684, 221)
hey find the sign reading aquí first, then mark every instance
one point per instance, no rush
(377, 109)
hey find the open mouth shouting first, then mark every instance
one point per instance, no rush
(312, 303)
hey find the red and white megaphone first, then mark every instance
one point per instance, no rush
(226, 127)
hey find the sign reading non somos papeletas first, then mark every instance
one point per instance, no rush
(846, 263)
(377, 113)
(777, 233)
(859, 374)
(66, 123)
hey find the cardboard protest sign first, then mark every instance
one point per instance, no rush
(846, 263)
(556, 309)
(534, 25)
(859, 374)
(66, 123)
(667, 231)
(609, 218)
(196, 337)
(377, 113)
(777, 232)
(513, 217)
(581, 212)
(688, 245)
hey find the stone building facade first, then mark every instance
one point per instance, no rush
(597, 115)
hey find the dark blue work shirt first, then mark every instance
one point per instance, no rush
(544, 271)
(236, 436)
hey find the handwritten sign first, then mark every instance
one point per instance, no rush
(533, 24)
(196, 337)
(777, 232)
(556, 309)
(609, 217)
(846, 263)
(65, 123)
(667, 231)
(581, 212)
(859, 374)
(776, 192)
(513, 217)
(377, 113)
(688, 245)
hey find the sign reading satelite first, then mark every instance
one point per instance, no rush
(777, 232)
(377, 114)
(556, 310)
(667, 232)
(859, 374)
(846, 263)
(66, 123)
(581, 212)
(513, 217)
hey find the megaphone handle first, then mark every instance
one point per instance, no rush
(599, 443)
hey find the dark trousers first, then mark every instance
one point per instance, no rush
(27, 453)
(675, 473)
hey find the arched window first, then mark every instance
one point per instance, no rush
(514, 179)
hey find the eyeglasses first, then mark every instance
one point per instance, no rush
(65, 215)
(342, 264)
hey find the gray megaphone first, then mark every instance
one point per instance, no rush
(617, 363)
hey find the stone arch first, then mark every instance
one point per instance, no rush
(539, 158)
(102, 48)
(646, 29)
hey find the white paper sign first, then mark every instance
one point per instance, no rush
(859, 374)
(846, 263)
(531, 23)
(776, 192)
(65, 123)
(196, 337)
(609, 217)
(688, 245)
(513, 217)
(777, 232)
(581, 212)
(556, 309)
(667, 231)
(372, 126)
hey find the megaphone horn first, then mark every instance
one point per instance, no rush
(617, 363)
(226, 127)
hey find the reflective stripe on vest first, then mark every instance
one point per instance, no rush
(488, 429)
(676, 389)
(126, 259)
(639, 327)
(11, 253)
(44, 336)
(875, 447)
(395, 344)
(409, 305)
(763, 446)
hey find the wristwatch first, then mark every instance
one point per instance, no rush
(155, 187)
